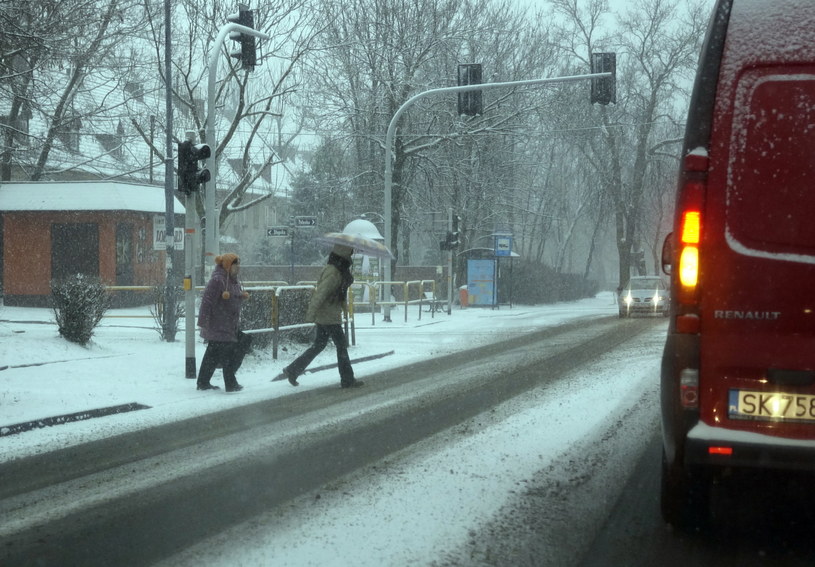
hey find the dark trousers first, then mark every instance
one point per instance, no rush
(297, 367)
(228, 355)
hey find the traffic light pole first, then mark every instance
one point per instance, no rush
(450, 264)
(211, 246)
(190, 224)
(169, 322)
(389, 148)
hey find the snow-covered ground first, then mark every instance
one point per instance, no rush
(428, 498)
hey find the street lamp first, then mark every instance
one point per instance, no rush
(211, 245)
(367, 216)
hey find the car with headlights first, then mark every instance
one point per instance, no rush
(644, 295)
(738, 367)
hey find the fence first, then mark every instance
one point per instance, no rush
(417, 292)
(420, 297)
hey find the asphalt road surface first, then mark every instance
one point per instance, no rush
(141, 497)
(757, 519)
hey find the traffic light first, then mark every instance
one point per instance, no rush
(247, 54)
(190, 176)
(469, 102)
(452, 239)
(604, 90)
(456, 233)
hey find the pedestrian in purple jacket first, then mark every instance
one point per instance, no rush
(219, 319)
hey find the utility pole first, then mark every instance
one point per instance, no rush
(170, 325)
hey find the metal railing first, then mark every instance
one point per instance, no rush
(421, 299)
(424, 293)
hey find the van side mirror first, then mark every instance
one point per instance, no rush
(668, 253)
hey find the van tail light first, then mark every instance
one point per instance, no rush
(691, 225)
(689, 267)
(691, 200)
(689, 388)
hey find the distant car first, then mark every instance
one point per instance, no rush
(644, 295)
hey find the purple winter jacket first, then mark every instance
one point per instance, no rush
(219, 318)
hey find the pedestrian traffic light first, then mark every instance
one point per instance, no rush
(604, 89)
(456, 233)
(450, 241)
(247, 54)
(469, 102)
(190, 175)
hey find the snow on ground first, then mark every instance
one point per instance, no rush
(425, 500)
(42, 375)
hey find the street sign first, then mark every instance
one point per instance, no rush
(503, 245)
(160, 232)
(277, 231)
(305, 221)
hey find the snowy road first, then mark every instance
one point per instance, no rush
(241, 486)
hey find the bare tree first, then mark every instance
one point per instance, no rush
(256, 118)
(657, 45)
(53, 54)
(377, 54)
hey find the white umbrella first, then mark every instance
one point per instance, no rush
(358, 243)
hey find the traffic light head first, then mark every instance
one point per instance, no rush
(450, 242)
(604, 90)
(247, 54)
(190, 174)
(470, 102)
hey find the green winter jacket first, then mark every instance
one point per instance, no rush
(325, 306)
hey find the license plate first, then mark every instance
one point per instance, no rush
(778, 406)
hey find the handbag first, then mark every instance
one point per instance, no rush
(244, 342)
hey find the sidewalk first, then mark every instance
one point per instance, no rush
(127, 365)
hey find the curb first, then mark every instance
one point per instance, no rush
(6, 430)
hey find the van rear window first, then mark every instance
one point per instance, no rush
(771, 173)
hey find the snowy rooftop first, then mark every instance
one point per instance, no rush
(84, 196)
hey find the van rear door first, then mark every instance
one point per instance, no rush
(757, 266)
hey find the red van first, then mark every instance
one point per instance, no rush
(738, 369)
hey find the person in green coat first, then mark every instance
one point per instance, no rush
(325, 310)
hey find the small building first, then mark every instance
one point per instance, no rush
(52, 230)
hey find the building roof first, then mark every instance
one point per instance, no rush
(84, 196)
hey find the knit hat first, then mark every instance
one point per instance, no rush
(226, 260)
(343, 251)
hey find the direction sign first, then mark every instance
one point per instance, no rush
(305, 221)
(277, 231)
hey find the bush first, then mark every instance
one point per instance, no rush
(80, 301)
(157, 310)
(535, 283)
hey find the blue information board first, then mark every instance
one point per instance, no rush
(481, 288)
